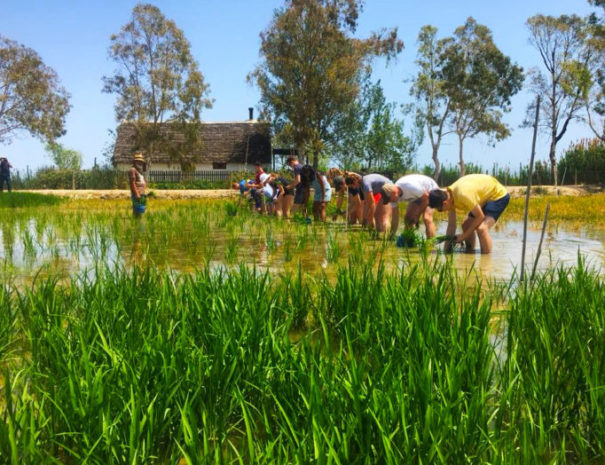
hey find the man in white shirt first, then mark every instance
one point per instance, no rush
(414, 189)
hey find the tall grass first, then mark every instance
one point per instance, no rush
(147, 366)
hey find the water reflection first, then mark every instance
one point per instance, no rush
(83, 243)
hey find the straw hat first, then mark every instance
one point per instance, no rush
(138, 157)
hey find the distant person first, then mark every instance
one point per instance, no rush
(413, 189)
(138, 186)
(321, 196)
(256, 188)
(5, 174)
(483, 197)
(299, 193)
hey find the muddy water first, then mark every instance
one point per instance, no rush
(26, 247)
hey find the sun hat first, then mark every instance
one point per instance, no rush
(138, 157)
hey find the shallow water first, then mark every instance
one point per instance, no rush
(55, 245)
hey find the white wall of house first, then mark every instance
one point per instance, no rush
(198, 167)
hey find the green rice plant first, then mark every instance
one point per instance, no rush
(332, 248)
(555, 331)
(28, 200)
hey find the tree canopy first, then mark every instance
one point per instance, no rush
(31, 97)
(156, 80)
(311, 67)
(564, 78)
(479, 81)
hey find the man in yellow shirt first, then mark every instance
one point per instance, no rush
(483, 197)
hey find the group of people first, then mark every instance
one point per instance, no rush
(372, 200)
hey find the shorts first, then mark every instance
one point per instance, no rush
(317, 197)
(299, 196)
(494, 208)
(356, 191)
(139, 205)
(288, 191)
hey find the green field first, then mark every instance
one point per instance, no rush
(206, 334)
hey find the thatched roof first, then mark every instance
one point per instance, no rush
(220, 142)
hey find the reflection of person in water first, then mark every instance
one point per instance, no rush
(8, 239)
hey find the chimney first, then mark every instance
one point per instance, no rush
(251, 113)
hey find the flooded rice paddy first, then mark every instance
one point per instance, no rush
(185, 236)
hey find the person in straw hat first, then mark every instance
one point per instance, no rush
(138, 186)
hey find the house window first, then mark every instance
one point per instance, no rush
(219, 165)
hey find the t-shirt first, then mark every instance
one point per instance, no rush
(257, 177)
(414, 185)
(374, 182)
(243, 185)
(297, 170)
(476, 189)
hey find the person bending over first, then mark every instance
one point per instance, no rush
(413, 189)
(483, 197)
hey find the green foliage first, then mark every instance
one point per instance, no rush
(27, 199)
(242, 366)
(479, 81)
(52, 178)
(64, 158)
(312, 67)
(32, 98)
(157, 80)
(584, 161)
(562, 82)
(369, 135)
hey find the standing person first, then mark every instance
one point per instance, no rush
(5, 174)
(299, 194)
(413, 189)
(483, 197)
(375, 213)
(322, 195)
(138, 186)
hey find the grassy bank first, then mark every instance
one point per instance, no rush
(144, 366)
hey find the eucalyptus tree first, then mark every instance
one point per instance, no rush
(479, 81)
(595, 97)
(563, 81)
(156, 80)
(311, 67)
(433, 104)
(31, 97)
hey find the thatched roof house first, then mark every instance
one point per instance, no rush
(229, 145)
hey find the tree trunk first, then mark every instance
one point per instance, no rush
(437, 165)
(553, 161)
(461, 156)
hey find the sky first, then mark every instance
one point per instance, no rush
(72, 37)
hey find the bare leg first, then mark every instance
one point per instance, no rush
(369, 209)
(485, 240)
(429, 224)
(382, 216)
(287, 205)
(472, 239)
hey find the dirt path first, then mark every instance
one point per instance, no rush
(515, 191)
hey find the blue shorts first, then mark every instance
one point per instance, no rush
(139, 205)
(495, 208)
